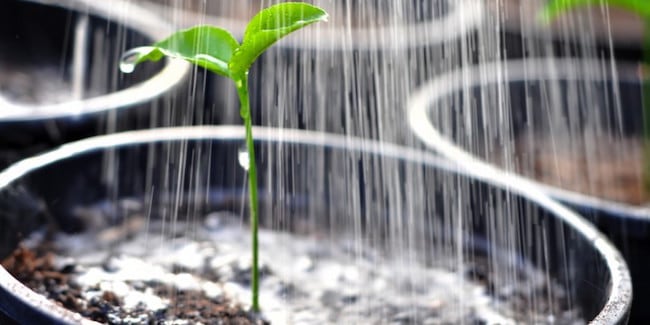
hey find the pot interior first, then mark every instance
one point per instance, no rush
(51, 54)
(409, 207)
(580, 130)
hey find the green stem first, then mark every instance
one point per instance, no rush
(245, 111)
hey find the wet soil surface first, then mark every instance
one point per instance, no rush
(25, 84)
(199, 273)
(604, 167)
(36, 268)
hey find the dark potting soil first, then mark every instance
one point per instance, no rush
(36, 269)
(604, 167)
(190, 273)
(30, 85)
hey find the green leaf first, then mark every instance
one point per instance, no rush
(206, 46)
(556, 7)
(270, 25)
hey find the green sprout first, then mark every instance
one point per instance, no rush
(216, 50)
(554, 8)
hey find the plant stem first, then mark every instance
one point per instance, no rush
(245, 112)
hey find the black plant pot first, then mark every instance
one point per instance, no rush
(607, 27)
(357, 68)
(60, 78)
(402, 200)
(557, 123)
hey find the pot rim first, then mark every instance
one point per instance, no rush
(444, 85)
(615, 309)
(463, 17)
(132, 16)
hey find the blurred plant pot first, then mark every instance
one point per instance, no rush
(323, 184)
(352, 25)
(376, 51)
(571, 127)
(609, 26)
(60, 79)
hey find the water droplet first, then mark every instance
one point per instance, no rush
(127, 67)
(130, 58)
(243, 158)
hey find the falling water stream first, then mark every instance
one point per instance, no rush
(354, 76)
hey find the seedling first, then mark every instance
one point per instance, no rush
(554, 8)
(216, 50)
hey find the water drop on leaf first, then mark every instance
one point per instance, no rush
(131, 58)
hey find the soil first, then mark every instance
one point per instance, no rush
(608, 168)
(36, 269)
(199, 273)
(28, 84)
